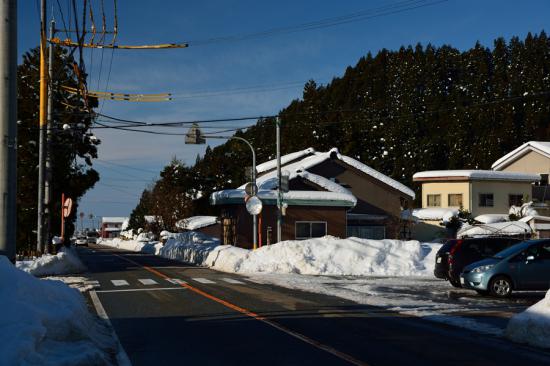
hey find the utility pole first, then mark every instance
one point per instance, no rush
(8, 127)
(42, 129)
(49, 174)
(279, 192)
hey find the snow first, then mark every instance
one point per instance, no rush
(524, 210)
(46, 322)
(533, 325)
(307, 196)
(542, 147)
(492, 218)
(64, 262)
(196, 222)
(499, 228)
(477, 175)
(144, 246)
(113, 220)
(434, 213)
(272, 164)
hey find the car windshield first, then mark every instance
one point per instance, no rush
(513, 249)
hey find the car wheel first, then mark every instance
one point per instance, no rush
(455, 283)
(500, 286)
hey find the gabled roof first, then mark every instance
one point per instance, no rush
(450, 175)
(313, 158)
(285, 159)
(541, 147)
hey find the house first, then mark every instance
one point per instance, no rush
(112, 226)
(531, 157)
(208, 225)
(329, 194)
(478, 191)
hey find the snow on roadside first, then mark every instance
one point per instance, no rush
(64, 262)
(47, 323)
(533, 325)
(138, 245)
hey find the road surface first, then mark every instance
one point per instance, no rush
(165, 312)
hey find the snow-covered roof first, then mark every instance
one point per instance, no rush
(113, 220)
(298, 198)
(313, 158)
(541, 147)
(285, 159)
(443, 175)
(431, 213)
(492, 218)
(499, 228)
(196, 222)
(112, 229)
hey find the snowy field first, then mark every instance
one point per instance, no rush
(390, 274)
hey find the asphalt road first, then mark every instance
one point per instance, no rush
(169, 313)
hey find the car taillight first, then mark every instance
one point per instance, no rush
(453, 250)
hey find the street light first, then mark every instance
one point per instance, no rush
(195, 137)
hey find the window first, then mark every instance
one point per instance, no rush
(310, 229)
(434, 200)
(486, 200)
(455, 200)
(367, 232)
(515, 199)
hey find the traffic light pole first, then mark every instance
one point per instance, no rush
(48, 173)
(8, 127)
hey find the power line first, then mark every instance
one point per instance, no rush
(361, 15)
(125, 166)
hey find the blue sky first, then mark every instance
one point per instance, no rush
(274, 67)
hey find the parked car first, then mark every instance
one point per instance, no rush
(524, 266)
(455, 254)
(81, 240)
(91, 237)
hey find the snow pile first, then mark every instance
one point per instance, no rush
(64, 262)
(196, 222)
(499, 228)
(533, 325)
(524, 210)
(319, 256)
(492, 218)
(47, 323)
(150, 247)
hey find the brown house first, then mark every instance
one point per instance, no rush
(330, 194)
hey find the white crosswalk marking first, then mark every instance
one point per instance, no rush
(147, 281)
(233, 281)
(175, 281)
(203, 280)
(120, 282)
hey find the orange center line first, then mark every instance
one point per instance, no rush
(306, 339)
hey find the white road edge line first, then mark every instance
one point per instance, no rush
(142, 289)
(232, 281)
(121, 356)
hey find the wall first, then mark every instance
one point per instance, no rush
(532, 162)
(334, 216)
(500, 191)
(445, 188)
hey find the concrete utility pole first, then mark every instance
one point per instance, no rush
(279, 192)
(48, 173)
(8, 127)
(42, 130)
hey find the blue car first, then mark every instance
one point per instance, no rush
(524, 266)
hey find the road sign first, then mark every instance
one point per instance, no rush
(251, 189)
(67, 207)
(254, 205)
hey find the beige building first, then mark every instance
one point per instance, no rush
(531, 157)
(478, 191)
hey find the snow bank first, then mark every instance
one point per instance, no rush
(492, 218)
(47, 323)
(138, 245)
(533, 325)
(64, 262)
(320, 256)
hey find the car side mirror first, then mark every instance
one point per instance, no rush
(530, 258)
